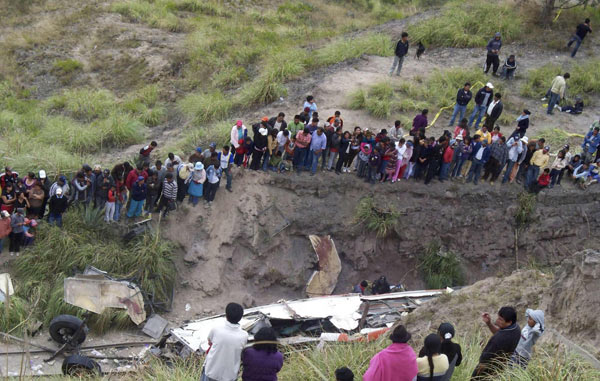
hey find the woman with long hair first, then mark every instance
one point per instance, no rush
(262, 361)
(434, 364)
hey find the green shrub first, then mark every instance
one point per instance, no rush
(440, 268)
(67, 66)
(377, 218)
(469, 24)
(119, 130)
(202, 108)
(526, 203)
(84, 104)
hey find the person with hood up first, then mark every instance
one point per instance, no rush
(397, 362)
(363, 159)
(529, 335)
(493, 50)
(196, 181)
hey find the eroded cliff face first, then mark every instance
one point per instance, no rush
(252, 245)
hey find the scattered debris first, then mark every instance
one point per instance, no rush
(323, 281)
(313, 319)
(6, 286)
(95, 291)
(155, 326)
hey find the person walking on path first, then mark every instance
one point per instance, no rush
(400, 52)
(493, 50)
(463, 97)
(483, 98)
(557, 91)
(580, 33)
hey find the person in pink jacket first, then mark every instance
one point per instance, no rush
(397, 362)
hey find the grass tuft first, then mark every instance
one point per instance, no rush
(375, 218)
(440, 268)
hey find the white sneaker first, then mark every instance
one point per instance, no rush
(17, 254)
(544, 99)
(11, 253)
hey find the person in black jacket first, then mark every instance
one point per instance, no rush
(450, 349)
(580, 33)
(493, 112)
(501, 346)
(463, 97)
(277, 122)
(435, 159)
(260, 143)
(483, 98)
(493, 50)
(57, 205)
(400, 53)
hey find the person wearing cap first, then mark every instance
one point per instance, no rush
(144, 156)
(493, 112)
(400, 53)
(557, 91)
(238, 134)
(515, 146)
(169, 194)
(278, 122)
(213, 179)
(590, 144)
(493, 50)
(212, 147)
(463, 97)
(483, 98)
(196, 183)
(17, 221)
(539, 160)
(196, 156)
(397, 362)
(580, 32)
(57, 205)
(138, 196)
(62, 184)
(311, 105)
(5, 228)
(260, 143)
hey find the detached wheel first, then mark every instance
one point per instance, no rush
(64, 327)
(80, 366)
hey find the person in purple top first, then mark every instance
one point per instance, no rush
(262, 362)
(420, 121)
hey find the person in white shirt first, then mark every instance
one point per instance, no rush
(172, 159)
(226, 344)
(282, 138)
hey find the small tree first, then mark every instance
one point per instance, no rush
(550, 6)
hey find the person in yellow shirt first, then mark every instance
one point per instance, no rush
(434, 365)
(539, 160)
(485, 134)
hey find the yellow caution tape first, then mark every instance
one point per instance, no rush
(557, 15)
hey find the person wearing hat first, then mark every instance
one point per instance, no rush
(212, 147)
(17, 221)
(196, 183)
(493, 50)
(260, 143)
(196, 156)
(515, 146)
(62, 184)
(539, 160)
(483, 98)
(138, 196)
(397, 362)
(57, 204)
(5, 228)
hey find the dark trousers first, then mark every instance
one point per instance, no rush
(492, 60)
(491, 169)
(432, 171)
(16, 240)
(181, 189)
(340, 162)
(299, 157)
(420, 170)
(256, 156)
(238, 159)
(554, 176)
(211, 190)
(167, 204)
(489, 122)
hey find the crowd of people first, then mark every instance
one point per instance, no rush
(509, 346)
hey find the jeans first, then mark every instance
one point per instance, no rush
(109, 212)
(397, 61)
(299, 158)
(533, 173)
(308, 159)
(315, 161)
(475, 171)
(55, 218)
(508, 73)
(135, 208)
(150, 201)
(266, 158)
(325, 156)
(211, 191)
(577, 40)
(509, 167)
(554, 99)
(255, 164)
(332, 159)
(1, 244)
(118, 208)
(478, 112)
(444, 171)
(458, 109)
(194, 200)
(227, 173)
(371, 174)
(554, 174)
(457, 167)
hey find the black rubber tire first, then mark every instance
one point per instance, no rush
(66, 325)
(80, 366)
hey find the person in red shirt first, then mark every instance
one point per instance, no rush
(496, 134)
(447, 160)
(109, 214)
(132, 176)
(543, 182)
